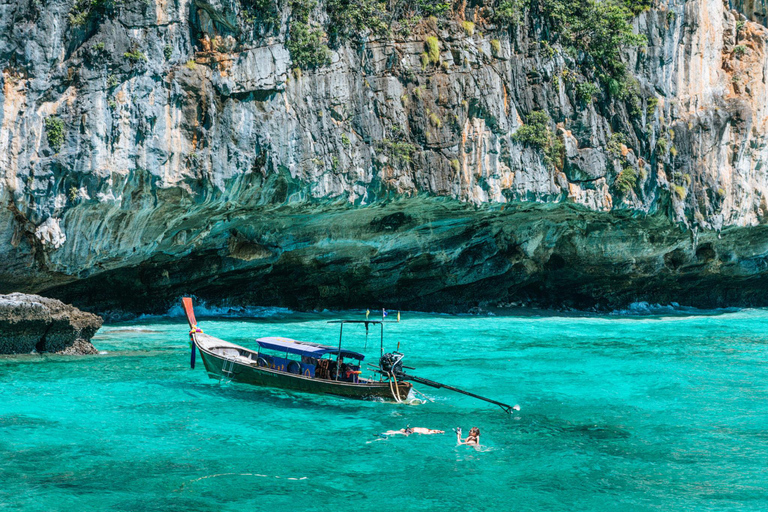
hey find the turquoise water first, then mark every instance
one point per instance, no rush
(618, 413)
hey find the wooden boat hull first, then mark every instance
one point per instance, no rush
(237, 370)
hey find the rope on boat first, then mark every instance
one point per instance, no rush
(397, 388)
(395, 392)
(422, 394)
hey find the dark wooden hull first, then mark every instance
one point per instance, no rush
(221, 367)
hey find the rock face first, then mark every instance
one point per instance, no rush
(33, 323)
(161, 147)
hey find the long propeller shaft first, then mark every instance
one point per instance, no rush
(427, 382)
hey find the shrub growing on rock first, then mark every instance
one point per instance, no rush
(626, 180)
(266, 12)
(398, 150)
(85, 10)
(54, 131)
(615, 144)
(586, 91)
(432, 47)
(509, 12)
(598, 28)
(433, 7)
(536, 133)
(305, 43)
(135, 56)
(350, 17)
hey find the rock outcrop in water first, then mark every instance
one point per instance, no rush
(32, 323)
(161, 147)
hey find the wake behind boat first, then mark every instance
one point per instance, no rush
(289, 364)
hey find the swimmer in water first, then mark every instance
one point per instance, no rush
(472, 439)
(406, 432)
(412, 430)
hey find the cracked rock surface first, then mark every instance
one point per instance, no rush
(30, 323)
(194, 157)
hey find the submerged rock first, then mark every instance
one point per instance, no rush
(34, 323)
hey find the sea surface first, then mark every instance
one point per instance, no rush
(661, 409)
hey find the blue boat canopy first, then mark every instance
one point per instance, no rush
(304, 348)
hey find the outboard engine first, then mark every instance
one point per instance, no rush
(391, 363)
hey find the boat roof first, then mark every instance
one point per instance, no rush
(304, 348)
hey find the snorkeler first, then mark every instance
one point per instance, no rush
(473, 438)
(412, 430)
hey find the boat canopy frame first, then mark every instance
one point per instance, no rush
(366, 322)
(304, 348)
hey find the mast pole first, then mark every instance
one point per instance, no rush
(382, 337)
(338, 356)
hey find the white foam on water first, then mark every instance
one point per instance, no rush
(202, 309)
(673, 308)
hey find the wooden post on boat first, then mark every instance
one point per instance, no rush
(338, 356)
(189, 310)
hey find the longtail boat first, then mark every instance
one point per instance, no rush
(295, 365)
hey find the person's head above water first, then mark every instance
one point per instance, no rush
(474, 432)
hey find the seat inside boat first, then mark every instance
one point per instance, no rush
(240, 356)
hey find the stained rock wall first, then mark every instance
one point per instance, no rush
(193, 156)
(30, 323)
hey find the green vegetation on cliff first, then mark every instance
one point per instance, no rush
(85, 10)
(595, 30)
(266, 12)
(350, 17)
(54, 130)
(536, 133)
(305, 42)
(626, 180)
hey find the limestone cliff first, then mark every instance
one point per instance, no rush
(151, 148)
